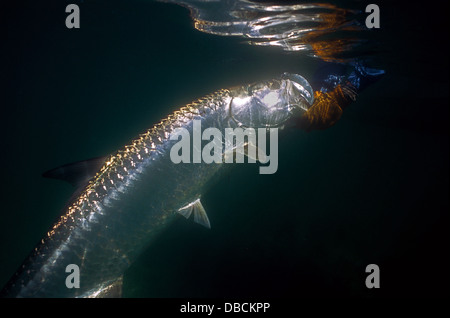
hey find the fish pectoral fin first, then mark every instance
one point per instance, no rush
(252, 151)
(200, 215)
(248, 149)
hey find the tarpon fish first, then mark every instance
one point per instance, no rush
(130, 196)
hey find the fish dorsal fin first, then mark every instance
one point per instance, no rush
(77, 173)
(200, 215)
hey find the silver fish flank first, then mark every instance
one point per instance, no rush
(138, 190)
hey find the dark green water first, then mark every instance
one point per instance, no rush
(373, 189)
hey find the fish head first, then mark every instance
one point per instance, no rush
(271, 103)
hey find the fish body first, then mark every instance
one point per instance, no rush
(139, 190)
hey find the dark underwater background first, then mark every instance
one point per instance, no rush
(373, 189)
